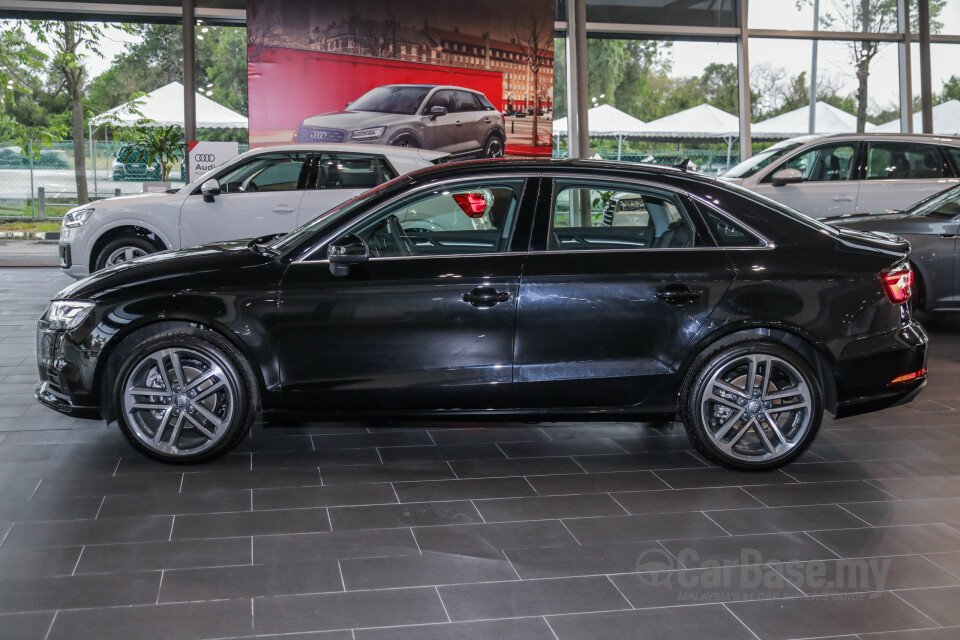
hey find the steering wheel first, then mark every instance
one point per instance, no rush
(396, 233)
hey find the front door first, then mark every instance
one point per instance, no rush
(622, 281)
(830, 181)
(258, 197)
(444, 132)
(427, 323)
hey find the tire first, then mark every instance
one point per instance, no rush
(405, 140)
(493, 147)
(749, 426)
(122, 250)
(203, 389)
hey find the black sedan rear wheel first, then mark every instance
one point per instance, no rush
(184, 395)
(754, 405)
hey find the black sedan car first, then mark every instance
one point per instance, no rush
(501, 289)
(931, 227)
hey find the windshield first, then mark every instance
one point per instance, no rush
(754, 163)
(405, 100)
(945, 204)
(779, 206)
(297, 235)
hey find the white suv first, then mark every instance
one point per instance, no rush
(825, 176)
(258, 193)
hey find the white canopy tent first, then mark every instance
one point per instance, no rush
(946, 120)
(702, 123)
(164, 106)
(606, 121)
(797, 123)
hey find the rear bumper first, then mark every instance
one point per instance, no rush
(867, 367)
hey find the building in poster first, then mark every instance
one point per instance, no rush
(309, 60)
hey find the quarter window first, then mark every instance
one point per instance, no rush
(728, 233)
(475, 217)
(903, 161)
(590, 217)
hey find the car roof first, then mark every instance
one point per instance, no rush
(902, 137)
(433, 86)
(413, 152)
(602, 168)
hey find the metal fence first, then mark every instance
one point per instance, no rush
(44, 184)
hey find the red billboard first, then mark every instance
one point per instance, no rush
(403, 73)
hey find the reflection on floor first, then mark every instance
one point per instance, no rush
(521, 531)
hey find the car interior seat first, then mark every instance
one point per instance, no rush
(901, 167)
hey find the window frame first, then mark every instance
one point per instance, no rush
(856, 171)
(543, 224)
(225, 169)
(938, 150)
(519, 240)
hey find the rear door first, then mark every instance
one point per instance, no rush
(606, 309)
(259, 196)
(830, 180)
(899, 174)
(474, 120)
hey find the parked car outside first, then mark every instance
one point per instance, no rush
(719, 306)
(932, 227)
(832, 175)
(260, 192)
(12, 157)
(456, 120)
(130, 165)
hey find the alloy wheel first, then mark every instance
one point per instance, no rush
(178, 401)
(124, 254)
(757, 407)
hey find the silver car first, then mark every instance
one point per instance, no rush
(261, 192)
(459, 121)
(832, 175)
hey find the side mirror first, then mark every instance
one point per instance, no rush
(437, 111)
(345, 251)
(210, 189)
(787, 176)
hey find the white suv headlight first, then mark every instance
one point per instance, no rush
(76, 217)
(368, 134)
(67, 314)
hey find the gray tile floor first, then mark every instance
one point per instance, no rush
(522, 531)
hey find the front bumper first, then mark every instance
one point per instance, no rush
(867, 367)
(64, 384)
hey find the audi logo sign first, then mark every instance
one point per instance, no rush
(318, 135)
(205, 156)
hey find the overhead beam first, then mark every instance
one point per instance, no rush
(118, 12)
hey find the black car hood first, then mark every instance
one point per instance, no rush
(156, 268)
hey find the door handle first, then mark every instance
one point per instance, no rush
(674, 294)
(485, 297)
(283, 209)
(843, 199)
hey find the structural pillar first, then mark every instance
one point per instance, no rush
(906, 69)
(189, 82)
(743, 72)
(578, 139)
(926, 92)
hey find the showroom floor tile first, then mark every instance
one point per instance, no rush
(473, 532)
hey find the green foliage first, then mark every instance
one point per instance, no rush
(951, 90)
(161, 143)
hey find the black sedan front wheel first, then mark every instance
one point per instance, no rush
(752, 406)
(184, 395)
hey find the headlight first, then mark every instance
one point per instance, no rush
(76, 217)
(67, 314)
(368, 134)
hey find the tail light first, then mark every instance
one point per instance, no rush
(898, 285)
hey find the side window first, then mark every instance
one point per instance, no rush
(468, 101)
(954, 153)
(826, 163)
(728, 233)
(268, 172)
(589, 217)
(347, 171)
(444, 99)
(474, 217)
(903, 161)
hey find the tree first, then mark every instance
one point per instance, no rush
(534, 36)
(30, 48)
(869, 16)
(162, 143)
(951, 90)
